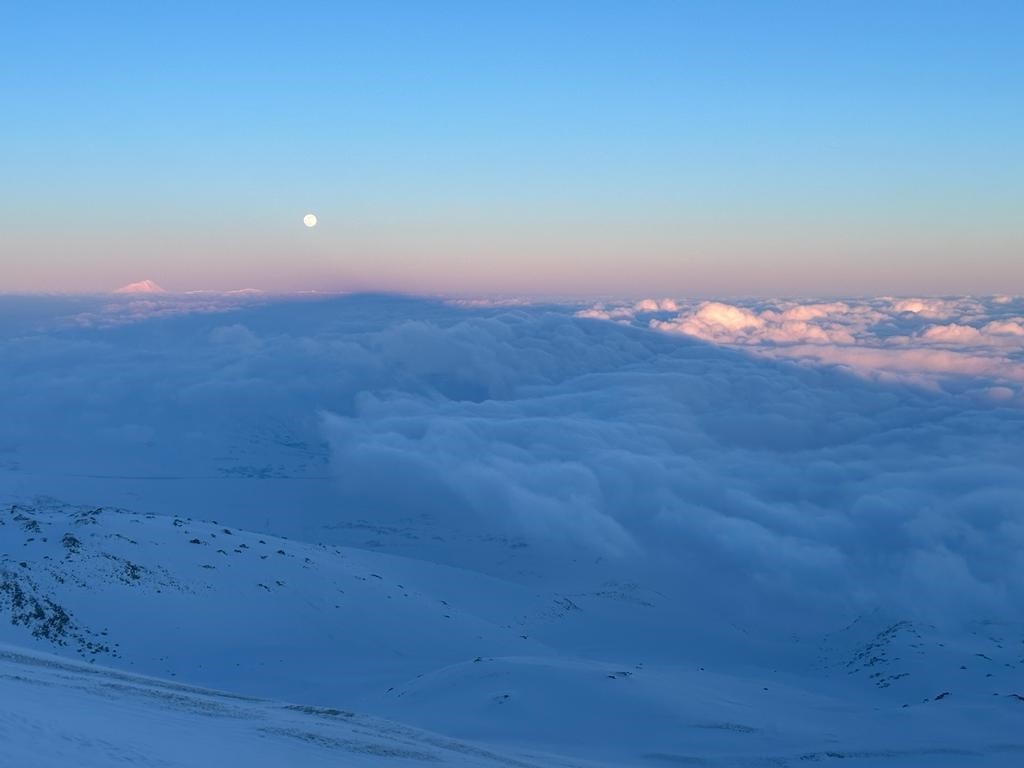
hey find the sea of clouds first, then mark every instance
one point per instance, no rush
(955, 344)
(809, 457)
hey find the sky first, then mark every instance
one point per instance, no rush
(572, 148)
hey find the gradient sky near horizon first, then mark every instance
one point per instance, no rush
(627, 148)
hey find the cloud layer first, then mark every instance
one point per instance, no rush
(816, 457)
(941, 343)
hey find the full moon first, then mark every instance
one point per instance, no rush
(309, 220)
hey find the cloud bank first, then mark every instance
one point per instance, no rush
(950, 344)
(818, 457)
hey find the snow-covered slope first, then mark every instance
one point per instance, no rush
(490, 660)
(248, 612)
(60, 713)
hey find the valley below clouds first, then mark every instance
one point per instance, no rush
(652, 532)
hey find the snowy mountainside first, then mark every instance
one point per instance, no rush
(58, 712)
(486, 660)
(909, 660)
(233, 609)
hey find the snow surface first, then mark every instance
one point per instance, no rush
(556, 540)
(56, 712)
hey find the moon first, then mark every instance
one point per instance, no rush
(309, 220)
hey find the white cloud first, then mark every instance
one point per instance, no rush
(931, 308)
(953, 333)
(890, 339)
(730, 324)
(1013, 327)
(656, 305)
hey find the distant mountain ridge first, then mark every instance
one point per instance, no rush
(144, 286)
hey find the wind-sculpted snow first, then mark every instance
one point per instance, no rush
(820, 499)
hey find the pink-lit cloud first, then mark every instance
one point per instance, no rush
(956, 342)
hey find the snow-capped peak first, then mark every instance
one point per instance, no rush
(145, 286)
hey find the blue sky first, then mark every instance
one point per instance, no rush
(572, 148)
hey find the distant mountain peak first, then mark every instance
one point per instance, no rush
(145, 286)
